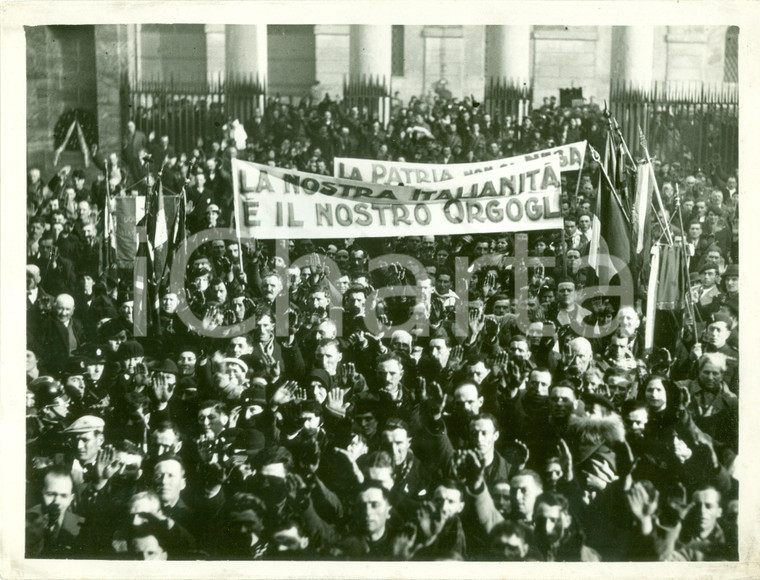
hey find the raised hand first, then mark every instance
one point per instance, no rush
(489, 284)
(206, 445)
(476, 322)
(162, 390)
(565, 459)
(524, 453)
(284, 393)
(456, 358)
(600, 476)
(210, 320)
(335, 401)
(106, 463)
(491, 326)
(642, 504)
(272, 366)
(425, 520)
(359, 339)
(404, 542)
(500, 363)
(320, 394)
(348, 376)
(469, 467)
(317, 268)
(432, 394)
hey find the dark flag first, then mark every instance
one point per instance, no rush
(612, 227)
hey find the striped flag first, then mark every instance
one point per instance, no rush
(641, 210)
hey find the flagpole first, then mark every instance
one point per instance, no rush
(689, 301)
(578, 183)
(654, 276)
(643, 141)
(598, 159)
(625, 146)
(107, 222)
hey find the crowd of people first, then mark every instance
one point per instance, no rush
(490, 429)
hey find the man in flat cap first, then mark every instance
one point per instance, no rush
(86, 439)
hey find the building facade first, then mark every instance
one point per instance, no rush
(83, 67)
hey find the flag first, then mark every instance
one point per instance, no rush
(611, 235)
(178, 231)
(128, 211)
(667, 288)
(108, 245)
(641, 210)
(158, 232)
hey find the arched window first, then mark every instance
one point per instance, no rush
(731, 62)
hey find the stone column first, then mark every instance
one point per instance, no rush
(636, 45)
(370, 51)
(246, 51)
(508, 52)
(216, 52)
(111, 61)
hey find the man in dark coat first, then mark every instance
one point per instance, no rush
(59, 335)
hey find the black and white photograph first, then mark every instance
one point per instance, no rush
(332, 290)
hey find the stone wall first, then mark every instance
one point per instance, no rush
(61, 75)
(571, 57)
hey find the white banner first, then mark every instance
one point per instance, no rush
(272, 202)
(570, 158)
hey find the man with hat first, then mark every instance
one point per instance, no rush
(52, 404)
(74, 384)
(96, 393)
(86, 440)
(126, 373)
(112, 338)
(253, 402)
(212, 214)
(124, 320)
(162, 381)
(707, 300)
(730, 279)
(714, 339)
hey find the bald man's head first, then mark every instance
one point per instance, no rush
(63, 309)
